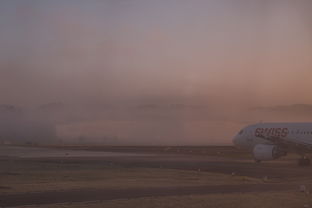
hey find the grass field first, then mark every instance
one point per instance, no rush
(254, 200)
(34, 176)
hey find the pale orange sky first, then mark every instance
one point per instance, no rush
(228, 54)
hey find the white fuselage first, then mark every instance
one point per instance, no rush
(299, 133)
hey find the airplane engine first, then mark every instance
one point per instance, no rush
(267, 152)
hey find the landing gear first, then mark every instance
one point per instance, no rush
(304, 161)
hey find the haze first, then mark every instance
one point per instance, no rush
(152, 72)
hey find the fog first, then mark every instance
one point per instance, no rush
(151, 72)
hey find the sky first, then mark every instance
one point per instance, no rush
(217, 58)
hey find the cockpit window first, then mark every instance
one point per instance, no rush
(241, 132)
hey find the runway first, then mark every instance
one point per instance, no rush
(244, 166)
(39, 152)
(16, 162)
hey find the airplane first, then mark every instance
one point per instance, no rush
(270, 141)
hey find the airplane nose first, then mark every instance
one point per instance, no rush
(236, 141)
